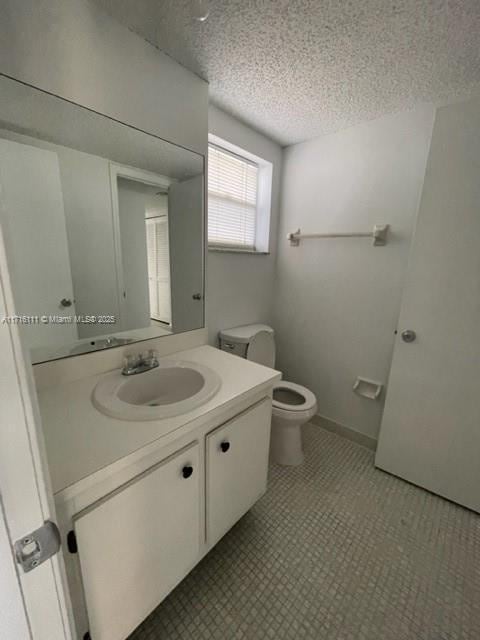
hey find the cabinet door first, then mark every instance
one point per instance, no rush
(237, 466)
(138, 543)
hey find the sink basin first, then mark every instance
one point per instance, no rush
(172, 388)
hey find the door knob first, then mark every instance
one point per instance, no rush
(66, 302)
(197, 296)
(225, 446)
(409, 335)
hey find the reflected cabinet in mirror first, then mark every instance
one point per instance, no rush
(103, 226)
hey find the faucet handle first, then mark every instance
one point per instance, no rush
(150, 357)
(130, 361)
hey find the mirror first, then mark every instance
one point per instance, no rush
(103, 226)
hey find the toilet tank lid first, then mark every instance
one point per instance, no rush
(245, 333)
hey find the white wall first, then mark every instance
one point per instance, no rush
(240, 286)
(337, 300)
(72, 49)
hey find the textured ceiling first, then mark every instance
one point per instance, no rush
(296, 69)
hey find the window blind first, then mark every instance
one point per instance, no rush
(158, 261)
(232, 200)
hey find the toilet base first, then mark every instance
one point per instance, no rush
(286, 436)
(286, 444)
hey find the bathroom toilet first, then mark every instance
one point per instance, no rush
(292, 404)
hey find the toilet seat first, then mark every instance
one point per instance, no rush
(309, 400)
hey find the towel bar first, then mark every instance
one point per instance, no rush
(379, 235)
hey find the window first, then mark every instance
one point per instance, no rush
(239, 186)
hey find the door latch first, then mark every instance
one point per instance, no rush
(38, 546)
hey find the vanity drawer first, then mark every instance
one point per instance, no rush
(236, 467)
(138, 543)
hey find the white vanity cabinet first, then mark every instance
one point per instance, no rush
(138, 542)
(236, 467)
(139, 530)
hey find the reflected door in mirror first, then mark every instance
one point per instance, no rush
(35, 234)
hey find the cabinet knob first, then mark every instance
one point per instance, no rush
(187, 471)
(225, 446)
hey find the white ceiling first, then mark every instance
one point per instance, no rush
(296, 69)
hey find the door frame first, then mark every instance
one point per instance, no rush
(136, 175)
(13, 616)
(26, 493)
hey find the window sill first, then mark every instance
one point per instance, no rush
(232, 250)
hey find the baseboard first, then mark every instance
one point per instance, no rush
(345, 432)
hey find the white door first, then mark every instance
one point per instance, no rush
(430, 433)
(237, 464)
(185, 222)
(33, 220)
(26, 497)
(138, 543)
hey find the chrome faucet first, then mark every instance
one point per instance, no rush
(140, 363)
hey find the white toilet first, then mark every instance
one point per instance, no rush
(293, 405)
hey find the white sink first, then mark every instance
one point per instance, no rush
(172, 388)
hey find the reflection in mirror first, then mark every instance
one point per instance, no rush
(103, 227)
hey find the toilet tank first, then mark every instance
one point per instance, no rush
(254, 342)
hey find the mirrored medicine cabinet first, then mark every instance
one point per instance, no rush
(103, 226)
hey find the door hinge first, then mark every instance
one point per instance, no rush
(38, 546)
(72, 542)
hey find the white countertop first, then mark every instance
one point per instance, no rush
(80, 440)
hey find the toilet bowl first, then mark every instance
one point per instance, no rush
(292, 404)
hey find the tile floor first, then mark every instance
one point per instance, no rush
(335, 550)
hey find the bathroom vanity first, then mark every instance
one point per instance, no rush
(139, 503)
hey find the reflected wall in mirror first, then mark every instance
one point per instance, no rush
(103, 226)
